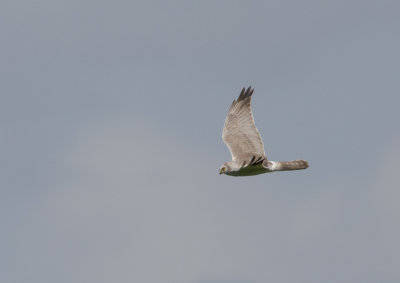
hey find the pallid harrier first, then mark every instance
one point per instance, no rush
(245, 144)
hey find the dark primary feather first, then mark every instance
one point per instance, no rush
(242, 96)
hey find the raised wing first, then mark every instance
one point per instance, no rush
(240, 133)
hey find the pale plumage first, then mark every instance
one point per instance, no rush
(245, 144)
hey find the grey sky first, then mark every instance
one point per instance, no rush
(111, 118)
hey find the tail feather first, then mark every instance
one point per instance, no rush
(290, 165)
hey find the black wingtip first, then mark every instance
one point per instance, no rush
(245, 93)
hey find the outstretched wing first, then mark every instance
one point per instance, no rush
(240, 133)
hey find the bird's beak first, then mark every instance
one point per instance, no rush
(221, 171)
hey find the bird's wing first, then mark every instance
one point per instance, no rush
(240, 133)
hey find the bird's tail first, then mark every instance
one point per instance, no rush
(290, 165)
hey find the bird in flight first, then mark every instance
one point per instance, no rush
(245, 144)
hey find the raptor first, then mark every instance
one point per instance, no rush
(245, 144)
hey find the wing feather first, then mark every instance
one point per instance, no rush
(240, 133)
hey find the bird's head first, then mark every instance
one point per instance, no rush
(224, 168)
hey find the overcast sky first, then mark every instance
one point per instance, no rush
(111, 115)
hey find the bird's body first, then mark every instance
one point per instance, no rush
(249, 171)
(245, 144)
